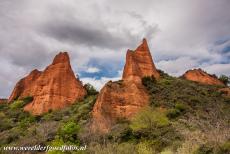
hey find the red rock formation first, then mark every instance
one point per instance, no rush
(24, 87)
(139, 63)
(123, 99)
(2, 100)
(200, 76)
(52, 89)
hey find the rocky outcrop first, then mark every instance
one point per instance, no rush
(123, 99)
(139, 63)
(116, 101)
(198, 75)
(2, 100)
(52, 89)
(25, 86)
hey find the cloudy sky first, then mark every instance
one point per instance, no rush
(182, 34)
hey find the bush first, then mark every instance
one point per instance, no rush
(149, 119)
(150, 84)
(6, 124)
(17, 104)
(90, 89)
(173, 113)
(56, 143)
(181, 107)
(27, 99)
(204, 149)
(224, 148)
(178, 110)
(68, 132)
(225, 79)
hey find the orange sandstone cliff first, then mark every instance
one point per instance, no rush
(52, 89)
(123, 99)
(198, 75)
(24, 87)
(139, 63)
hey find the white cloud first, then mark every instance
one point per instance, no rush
(218, 69)
(181, 34)
(178, 66)
(92, 70)
(99, 83)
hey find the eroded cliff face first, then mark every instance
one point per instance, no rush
(118, 100)
(123, 99)
(54, 88)
(139, 63)
(198, 75)
(25, 86)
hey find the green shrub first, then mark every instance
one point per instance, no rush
(225, 79)
(204, 149)
(56, 143)
(181, 107)
(17, 104)
(90, 89)
(149, 119)
(149, 83)
(68, 132)
(6, 124)
(178, 110)
(27, 99)
(173, 113)
(224, 148)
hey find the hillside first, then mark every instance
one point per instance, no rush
(183, 117)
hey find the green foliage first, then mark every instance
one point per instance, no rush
(90, 89)
(204, 149)
(56, 143)
(225, 79)
(224, 148)
(178, 110)
(68, 132)
(181, 107)
(173, 113)
(6, 124)
(149, 119)
(27, 99)
(17, 104)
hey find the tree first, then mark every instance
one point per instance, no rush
(90, 89)
(149, 119)
(225, 79)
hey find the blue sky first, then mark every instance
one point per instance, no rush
(182, 34)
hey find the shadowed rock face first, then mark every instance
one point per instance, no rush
(52, 89)
(200, 76)
(139, 63)
(123, 99)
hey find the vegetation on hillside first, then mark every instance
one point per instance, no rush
(183, 117)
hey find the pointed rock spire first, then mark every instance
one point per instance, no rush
(62, 57)
(123, 99)
(139, 63)
(52, 89)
